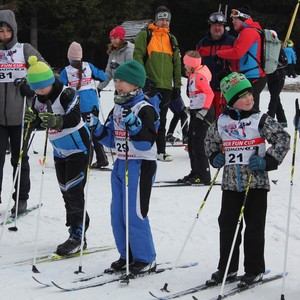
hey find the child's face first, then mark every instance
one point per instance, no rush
(44, 91)
(245, 103)
(188, 69)
(5, 34)
(123, 87)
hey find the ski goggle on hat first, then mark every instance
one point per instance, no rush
(237, 14)
(216, 18)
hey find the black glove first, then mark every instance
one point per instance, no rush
(51, 120)
(176, 93)
(30, 115)
(26, 91)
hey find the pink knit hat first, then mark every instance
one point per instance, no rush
(118, 32)
(75, 51)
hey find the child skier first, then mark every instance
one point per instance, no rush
(70, 140)
(134, 116)
(237, 141)
(201, 96)
(80, 75)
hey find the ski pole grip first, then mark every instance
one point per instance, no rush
(19, 81)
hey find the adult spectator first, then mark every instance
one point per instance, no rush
(246, 51)
(118, 52)
(217, 38)
(291, 57)
(157, 50)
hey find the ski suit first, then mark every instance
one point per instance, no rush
(141, 164)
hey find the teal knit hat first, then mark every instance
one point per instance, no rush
(132, 72)
(234, 86)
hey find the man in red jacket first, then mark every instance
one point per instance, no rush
(246, 51)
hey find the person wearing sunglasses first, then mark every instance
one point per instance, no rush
(246, 51)
(217, 38)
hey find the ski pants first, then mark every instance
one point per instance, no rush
(198, 159)
(164, 106)
(71, 176)
(141, 175)
(12, 134)
(182, 116)
(254, 234)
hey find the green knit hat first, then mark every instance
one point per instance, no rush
(234, 86)
(132, 72)
(39, 74)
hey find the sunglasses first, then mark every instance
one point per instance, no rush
(237, 14)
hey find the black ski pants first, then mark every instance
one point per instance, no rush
(254, 233)
(12, 134)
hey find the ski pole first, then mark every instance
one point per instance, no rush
(34, 268)
(126, 279)
(30, 142)
(288, 34)
(177, 132)
(103, 119)
(19, 165)
(86, 198)
(235, 234)
(290, 202)
(165, 287)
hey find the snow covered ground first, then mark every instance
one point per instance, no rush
(172, 212)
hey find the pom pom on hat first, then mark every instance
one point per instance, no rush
(118, 33)
(39, 74)
(132, 72)
(75, 51)
(234, 86)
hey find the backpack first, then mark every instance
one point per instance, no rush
(269, 51)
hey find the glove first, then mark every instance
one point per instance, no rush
(201, 114)
(131, 121)
(26, 91)
(257, 163)
(92, 121)
(219, 160)
(30, 115)
(50, 120)
(176, 93)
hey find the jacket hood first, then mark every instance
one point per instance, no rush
(8, 17)
(249, 23)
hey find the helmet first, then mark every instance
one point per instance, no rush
(217, 17)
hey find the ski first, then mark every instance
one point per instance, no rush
(11, 219)
(117, 278)
(192, 290)
(237, 290)
(176, 145)
(55, 257)
(175, 183)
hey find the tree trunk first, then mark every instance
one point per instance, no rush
(34, 32)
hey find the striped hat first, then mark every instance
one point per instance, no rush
(39, 74)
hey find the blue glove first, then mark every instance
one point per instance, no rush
(129, 119)
(219, 160)
(92, 121)
(257, 163)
